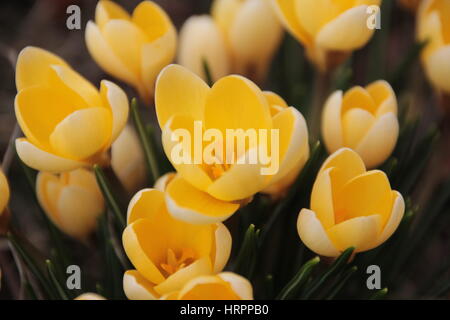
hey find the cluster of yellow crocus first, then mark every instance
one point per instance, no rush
(72, 200)
(168, 253)
(67, 122)
(364, 119)
(211, 193)
(133, 48)
(350, 207)
(329, 30)
(239, 37)
(433, 25)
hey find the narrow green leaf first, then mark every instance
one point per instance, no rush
(333, 269)
(110, 197)
(147, 143)
(293, 287)
(246, 259)
(341, 282)
(55, 282)
(207, 71)
(380, 294)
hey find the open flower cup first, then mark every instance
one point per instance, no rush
(215, 177)
(67, 122)
(167, 253)
(350, 207)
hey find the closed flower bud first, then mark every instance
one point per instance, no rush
(329, 30)
(72, 201)
(202, 42)
(350, 207)
(433, 26)
(253, 34)
(127, 160)
(67, 122)
(168, 253)
(133, 48)
(363, 119)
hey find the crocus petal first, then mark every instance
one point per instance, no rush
(356, 123)
(4, 194)
(322, 199)
(241, 181)
(235, 102)
(41, 160)
(189, 170)
(73, 86)
(179, 92)
(207, 288)
(380, 141)
(223, 242)
(348, 163)
(360, 233)
(438, 68)
(313, 235)
(331, 122)
(78, 211)
(276, 102)
(136, 287)
(152, 19)
(116, 99)
(177, 280)
(384, 96)
(89, 296)
(134, 243)
(398, 210)
(33, 65)
(163, 181)
(365, 195)
(104, 55)
(293, 141)
(82, 133)
(31, 103)
(189, 204)
(358, 97)
(145, 204)
(107, 10)
(241, 286)
(347, 32)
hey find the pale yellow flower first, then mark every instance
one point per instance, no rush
(67, 122)
(133, 48)
(206, 193)
(168, 253)
(224, 286)
(89, 296)
(326, 27)
(364, 119)
(350, 207)
(72, 200)
(433, 25)
(127, 160)
(202, 41)
(252, 32)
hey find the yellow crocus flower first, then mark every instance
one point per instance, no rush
(364, 119)
(166, 252)
(72, 200)
(328, 29)
(202, 41)
(127, 160)
(224, 286)
(133, 48)
(206, 193)
(252, 32)
(67, 122)
(350, 207)
(433, 25)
